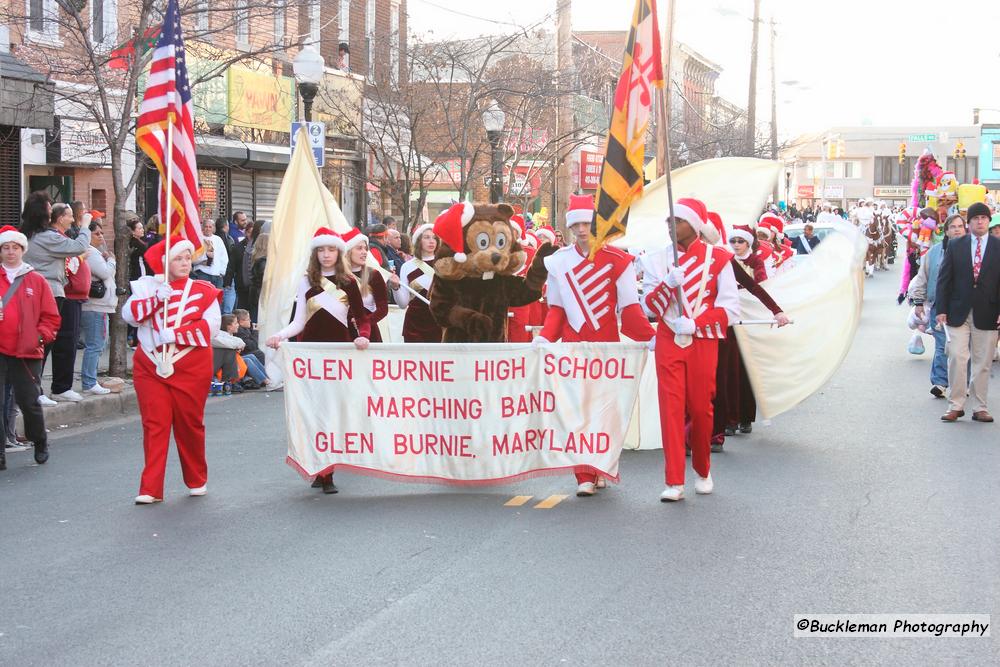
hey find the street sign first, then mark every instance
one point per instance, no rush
(922, 138)
(317, 140)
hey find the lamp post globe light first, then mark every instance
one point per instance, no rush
(493, 120)
(308, 67)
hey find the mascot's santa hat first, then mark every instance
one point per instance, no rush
(772, 223)
(715, 232)
(352, 239)
(325, 236)
(9, 234)
(450, 228)
(546, 234)
(580, 209)
(742, 232)
(156, 255)
(692, 211)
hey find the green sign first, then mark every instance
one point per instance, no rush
(922, 138)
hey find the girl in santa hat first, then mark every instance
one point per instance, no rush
(328, 308)
(374, 291)
(416, 273)
(172, 364)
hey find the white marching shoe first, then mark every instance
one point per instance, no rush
(68, 396)
(198, 491)
(601, 483)
(704, 485)
(147, 500)
(672, 493)
(586, 489)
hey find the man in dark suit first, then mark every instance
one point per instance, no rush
(806, 242)
(968, 302)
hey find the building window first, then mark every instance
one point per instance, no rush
(965, 169)
(242, 23)
(830, 170)
(103, 21)
(344, 21)
(201, 18)
(996, 156)
(849, 170)
(370, 37)
(394, 42)
(279, 21)
(315, 28)
(43, 21)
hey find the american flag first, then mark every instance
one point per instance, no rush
(167, 101)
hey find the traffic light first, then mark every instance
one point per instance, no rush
(959, 153)
(902, 153)
(831, 149)
(841, 150)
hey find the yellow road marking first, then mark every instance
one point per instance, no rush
(517, 501)
(550, 502)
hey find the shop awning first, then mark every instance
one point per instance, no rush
(26, 95)
(221, 152)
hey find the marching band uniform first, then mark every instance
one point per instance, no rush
(585, 296)
(418, 323)
(734, 400)
(172, 394)
(702, 289)
(522, 318)
(377, 299)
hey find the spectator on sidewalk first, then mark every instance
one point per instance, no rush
(29, 321)
(226, 349)
(258, 263)
(245, 331)
(212, 264)
(44, 225)
(228, 282)
(377, 241)
(238, 227)
(923, 296)
(968, 302)
(242, 257)
(394, 250)
(102, 303)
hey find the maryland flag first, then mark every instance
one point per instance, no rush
(621, 173)
(123, 54)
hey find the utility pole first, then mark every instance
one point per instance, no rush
(774, 108)
(664, 111)
(564, 116)
(752, 101)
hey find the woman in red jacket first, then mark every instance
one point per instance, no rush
(328, 308)
(29, 320)
(374, 292)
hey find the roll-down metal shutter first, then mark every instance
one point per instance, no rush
(266, 186)
(241, 191)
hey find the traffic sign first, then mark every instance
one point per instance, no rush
(922, 138)
(317, 139)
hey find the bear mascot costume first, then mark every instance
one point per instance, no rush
(475, 281)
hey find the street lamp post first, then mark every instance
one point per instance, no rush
(308, 67)
(493, 120)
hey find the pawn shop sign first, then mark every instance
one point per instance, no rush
(317, 140)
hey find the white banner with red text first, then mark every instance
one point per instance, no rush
(459, 414)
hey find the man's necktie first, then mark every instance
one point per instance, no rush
(977, 261)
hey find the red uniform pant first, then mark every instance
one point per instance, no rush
(176, 402)
(685, 378)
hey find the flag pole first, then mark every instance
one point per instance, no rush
(664, 99)
(169, 165)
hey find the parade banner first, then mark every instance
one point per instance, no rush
(459, 414)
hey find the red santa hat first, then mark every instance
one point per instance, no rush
(580, 209)
(716, 231)
(325, 236)
(546, 234)
(450, 228)
(742, 232)
(353, 238)
(517, 222)
(771, 222)
(419, 231)
(692, 211)
(9, 234)
(156, 255)
(530, 240)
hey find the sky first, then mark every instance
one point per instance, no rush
(846, 62)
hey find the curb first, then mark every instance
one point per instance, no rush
(89, 410)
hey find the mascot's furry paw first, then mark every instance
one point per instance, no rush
(544, 251)
(478, 326)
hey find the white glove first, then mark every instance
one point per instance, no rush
(168, 336)
(675, 277)
(682, 325)
(539, 341)
(85, 219)
(651, 344)
(163, 291)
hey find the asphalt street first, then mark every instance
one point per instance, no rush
(858, 501)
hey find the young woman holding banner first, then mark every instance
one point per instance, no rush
(418, 324)
(373, 286)
(328, 308)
